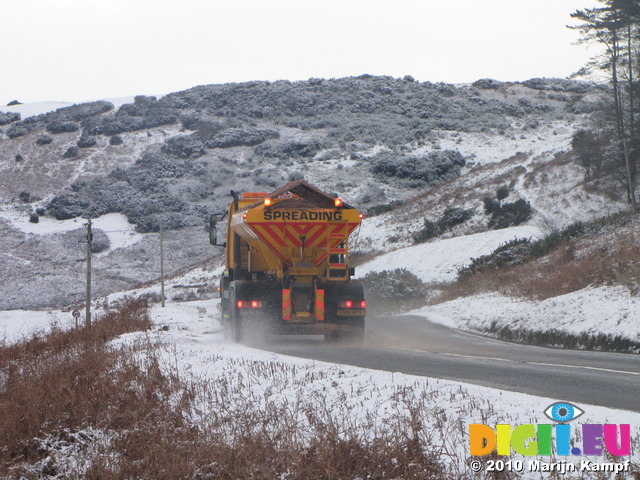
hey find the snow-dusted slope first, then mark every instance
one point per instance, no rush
(439, 261)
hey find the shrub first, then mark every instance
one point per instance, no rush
(184, 146)
(510, 214)
(44, 140)
(9, 117)
(450, 218)
(62, 127)
(383, 208)
(503, 215)
(429, 231)
(434, 168)
(298, 149)
(86, 141)
(236, 137)
(115, 140)
(18, 130)
(19, 158)
(25, 197)
(34, 218)
(71, 152)
(454, 216)
(388, 288)
(514, 252)
(502, 193)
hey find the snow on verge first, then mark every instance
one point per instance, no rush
(440, 260)
(594, 310)
(196, 346)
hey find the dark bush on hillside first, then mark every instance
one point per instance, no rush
(71, 152)
(86, 141)
(44, 140)
(65, 207)
(19, 158)
(487, 84)
(9, 117)
(557, 85)
(25, 197)
(34, 218)
(125, 123)
(514, 252)
(184, 146)
(436, 167)
(510, 214)
(75, 113)
(502, 193)
(429, 231)
(386, 289)
(18, 130)
(144, 100)
(383, 208)
(491, 205)
(115, 140)
(100, 241)
(454, 216)
(145, 112)
(190, 120)
(302, 149)
(503, 215)
(62, 127)
(236, 137)
(450, 218)
(144, 192)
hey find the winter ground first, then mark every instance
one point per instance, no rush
(194, 345)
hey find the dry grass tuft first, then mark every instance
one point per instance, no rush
(577, 263)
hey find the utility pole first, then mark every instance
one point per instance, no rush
(162, 264)
(88, 300)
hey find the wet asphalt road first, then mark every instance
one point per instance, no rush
(415, 346)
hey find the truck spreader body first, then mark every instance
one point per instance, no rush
(287, 265)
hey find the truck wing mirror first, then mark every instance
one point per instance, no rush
(213, 228)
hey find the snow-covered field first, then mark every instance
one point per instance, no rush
(195, 335)
(439, 261)
(194, 345)
(607, 310)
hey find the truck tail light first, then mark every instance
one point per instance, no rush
(337, 202)
(352, 304)
(267, 202)
(249, 304)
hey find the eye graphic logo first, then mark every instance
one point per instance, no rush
(563, 412)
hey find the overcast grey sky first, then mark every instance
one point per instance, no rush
(74, 50)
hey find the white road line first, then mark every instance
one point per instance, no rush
(475, 357)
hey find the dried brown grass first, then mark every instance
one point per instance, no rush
(575, 264)
(75, 405)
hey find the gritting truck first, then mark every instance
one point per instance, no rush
(287, 265)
